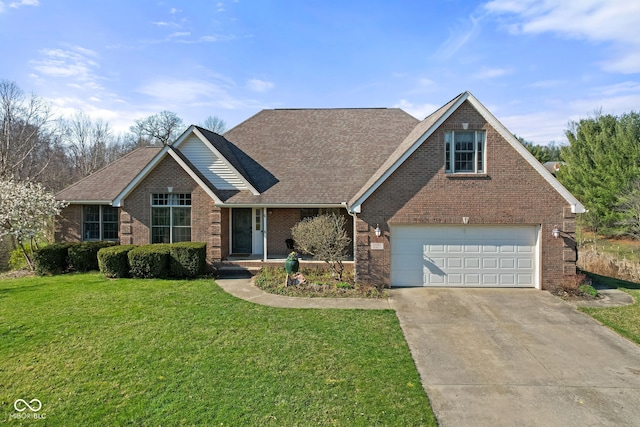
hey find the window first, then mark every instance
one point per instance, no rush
(258, 219)
(99, 222)
(170, 218)
(464, 151)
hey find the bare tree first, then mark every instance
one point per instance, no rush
(162, 128)
(325, 238)
(88, 142)
(25, 133)
(214, 124)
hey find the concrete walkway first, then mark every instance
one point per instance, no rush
(244, 289)
(504, 357)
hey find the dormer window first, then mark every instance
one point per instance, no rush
(464, 151)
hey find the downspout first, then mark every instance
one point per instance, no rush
(355, 247)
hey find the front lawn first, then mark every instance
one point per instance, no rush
(96, 351)
(624, 320)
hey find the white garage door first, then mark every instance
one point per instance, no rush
(473, 256)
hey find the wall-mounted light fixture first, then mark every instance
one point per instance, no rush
(465, 220)
(555, 232)
(465, 126)
(169, 189)
(378, 231)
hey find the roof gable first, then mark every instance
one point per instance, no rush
(102, 186)
(196, 145)
(204, 150)
(428, 126)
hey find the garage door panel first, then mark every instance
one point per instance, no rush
(491, 256)
(525, 263)
(490, 279)
(490, 263)
(454, 262)
(507, 263)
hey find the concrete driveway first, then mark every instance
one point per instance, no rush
(517, 357)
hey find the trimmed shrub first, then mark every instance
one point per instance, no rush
(150, 261)
(188, 259)
(114, 261)
(84, 256)
(51, 259)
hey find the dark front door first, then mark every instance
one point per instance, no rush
(241, 241)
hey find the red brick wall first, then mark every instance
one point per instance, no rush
(68, 225)
(511, 192)
(279, 224)
(206, 218)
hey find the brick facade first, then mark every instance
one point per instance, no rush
(279, 224)
(68, 225)
(511, 192)
(206, 218)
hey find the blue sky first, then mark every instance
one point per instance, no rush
(536, 64)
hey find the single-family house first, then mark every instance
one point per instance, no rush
(452, 200)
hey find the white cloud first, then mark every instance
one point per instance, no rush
(543, 84)
(458, 37)
(419, 111)
(172, 93)
(538, 127)
(258, 85)
(491, 73)
(74, 63)
(179, 34)
(173, 11)
(612, 21)
(17, 4)
(425, 82)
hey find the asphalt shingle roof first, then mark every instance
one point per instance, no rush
(315, 156)
(105, 184)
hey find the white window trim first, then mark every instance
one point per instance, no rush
(478, 142)
(171, 225)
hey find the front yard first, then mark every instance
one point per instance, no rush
(624, 320)
(96, 351)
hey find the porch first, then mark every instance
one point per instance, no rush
(246, 265)
(260, 236)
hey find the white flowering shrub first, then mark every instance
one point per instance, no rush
(25, 210)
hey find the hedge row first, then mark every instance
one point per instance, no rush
(60, 257)
(185, 259)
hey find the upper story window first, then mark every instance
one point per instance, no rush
(99, 222)
(170, 218)
(464, 151)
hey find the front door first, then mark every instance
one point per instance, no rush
(242, 231)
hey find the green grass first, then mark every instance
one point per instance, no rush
(96, 351)
(624, 320)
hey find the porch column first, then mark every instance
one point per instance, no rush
(264, 234)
